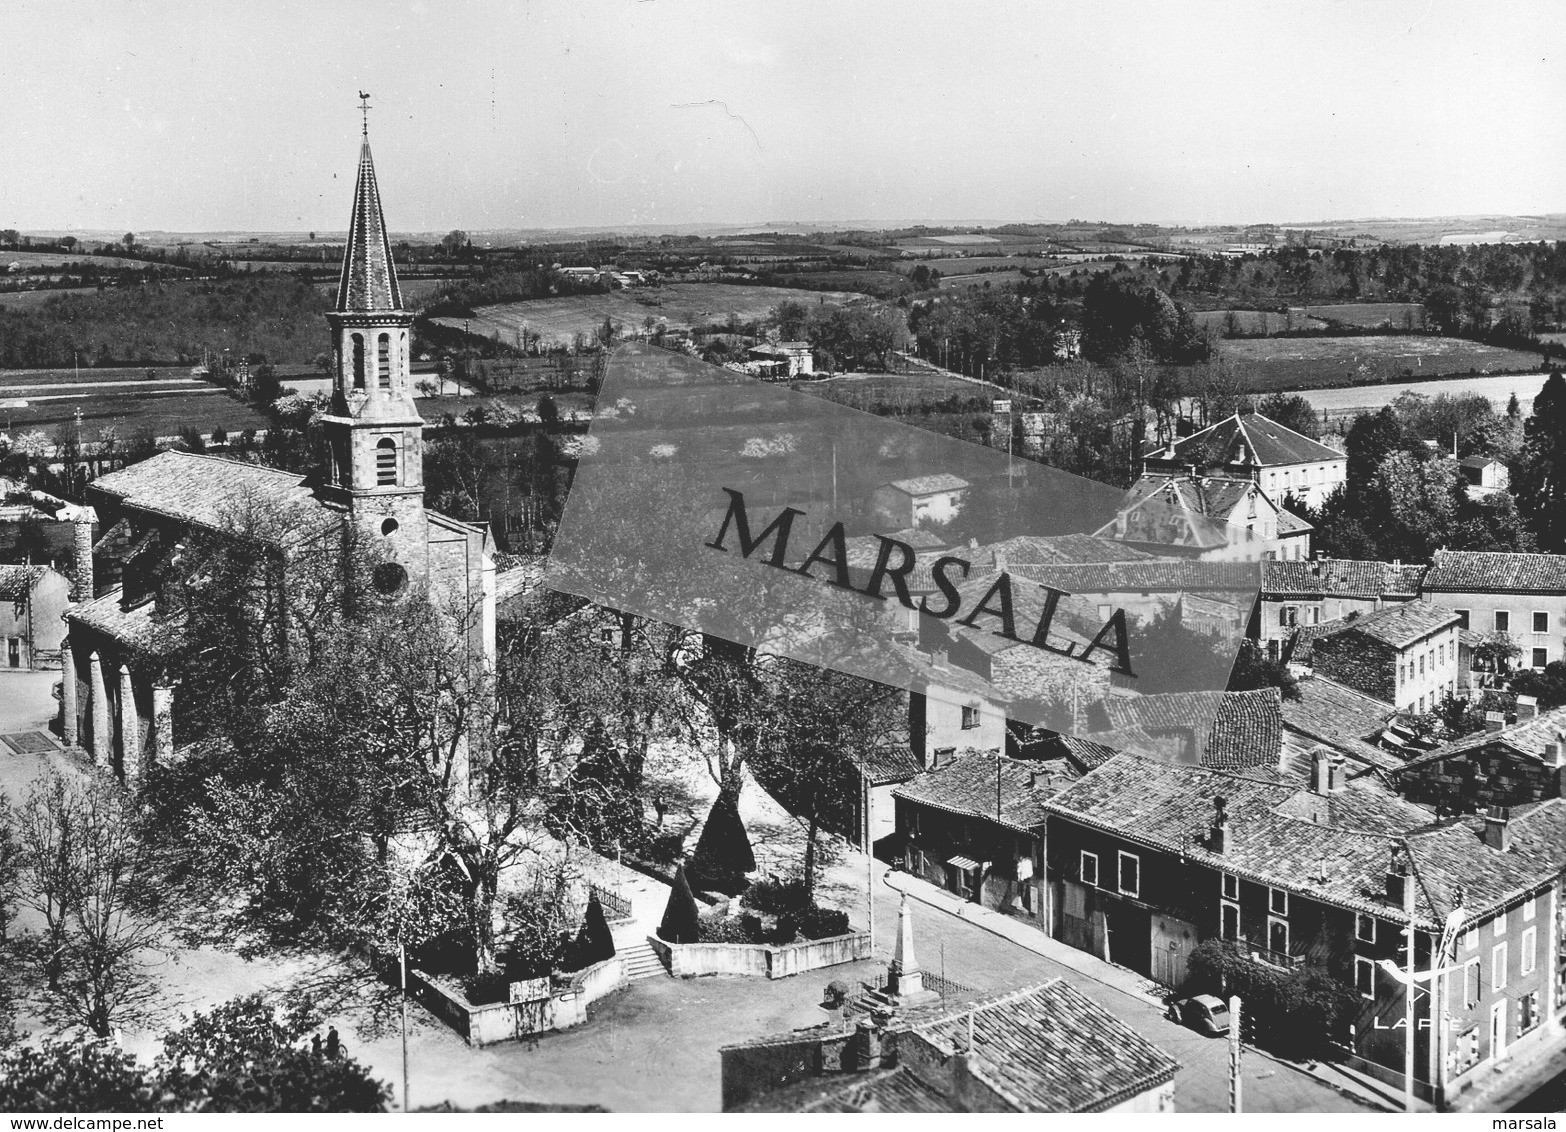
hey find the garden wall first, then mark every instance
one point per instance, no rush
(690, 960)
(506, 1021)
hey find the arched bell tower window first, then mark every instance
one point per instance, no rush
(358, 361)
(386, 463)
(383, 362)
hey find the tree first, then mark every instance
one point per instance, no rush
(723, 854)
(830, 723)
(1291, 411)
(129, 240)
(1371, 439)
(1254, 669)
(595, 942)
(86, 868)
(1421, 497)
(1541, 479)
(680, 923)
(454, 241)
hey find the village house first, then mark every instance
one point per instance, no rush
(913, 502)
(783, 359)
(974, 825)
(33, 601)
(1146, 859)
(1405, 655)
(1483, 476)
(1208, 517)
(1296, 593)
(1250, 446)
(1522, 595)
(117, 699)
(1503, 765)
(1041, 1048)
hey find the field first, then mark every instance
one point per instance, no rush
(979, 279)
(1361, 398)
(1269, 364)
(27, 300)
(1555, 336)
(961, 265)
(20, 382)
(893, 390)
(67, 261)
(1373, 314)
(1256, 322)
(161, 411)
(678, 304)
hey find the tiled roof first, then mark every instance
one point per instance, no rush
(1482, 571)
(1340, 717)
(897, 1089)
(929, 485)
(1403, 624)
(1240, 729)
(1086, 753)
(896, 764)
(16, 582)
(1335, 850)
(1526, 738)
(1048, 1048)
(1479, 462)
(139, 630)
(1182, 511)
(968, 785)
(1342, 577)
(369, 279)
(211, 492)
(1055, 550)
(1301, 642)
(1291, 524)
(1267, 443)
(1156, 575)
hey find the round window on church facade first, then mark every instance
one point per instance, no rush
(389, 579)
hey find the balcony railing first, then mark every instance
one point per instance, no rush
(1272, 958)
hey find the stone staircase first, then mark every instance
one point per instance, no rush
(641, 961)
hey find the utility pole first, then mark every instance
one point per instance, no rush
(1236, 1009)
(1408, 1014)
(869, 864)
(402, 959)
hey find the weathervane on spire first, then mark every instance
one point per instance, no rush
(364, 108)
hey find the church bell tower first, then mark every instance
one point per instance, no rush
(377, 467)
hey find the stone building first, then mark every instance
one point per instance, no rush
(33, 601)
(1406, 655)
(368, 512)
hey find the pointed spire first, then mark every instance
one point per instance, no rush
(369, 279)
(906, 978)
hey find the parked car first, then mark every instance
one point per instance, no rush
(1205, 1013)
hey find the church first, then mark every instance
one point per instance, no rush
(114, 702)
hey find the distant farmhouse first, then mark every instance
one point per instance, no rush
(1250, 446)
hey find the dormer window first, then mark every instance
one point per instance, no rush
(386, 463)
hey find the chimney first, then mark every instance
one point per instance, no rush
(1527, 708)
(1555, 762)
(1337, 774)
(866, 1046)
(1315, 567)
(1494, 721)
(1218, 841)
(1320, 780)
(1497, 828)
(1400, 880)
(1000, 558)
(82, 530)
(938, 657)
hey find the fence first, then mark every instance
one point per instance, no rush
(946, 988)
(615, 905)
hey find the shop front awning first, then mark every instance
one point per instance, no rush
(964, 863)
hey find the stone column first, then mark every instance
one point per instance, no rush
(162, 726)
(68, 720)
(102, 737)
(130, 738)
(906, 977)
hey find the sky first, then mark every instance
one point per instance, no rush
(189, 115)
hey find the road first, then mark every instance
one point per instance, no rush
(973, 955)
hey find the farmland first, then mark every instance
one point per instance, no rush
(1266, 365)
(1496, 389)
(677, 305)
(1402, 315)
(893, 390)
(66, 261)
(1256, 322)
(156, 408)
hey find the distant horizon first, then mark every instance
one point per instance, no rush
(182, 116)
(783, 227)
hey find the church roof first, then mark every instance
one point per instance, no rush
(211, 492)
(369, 279)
